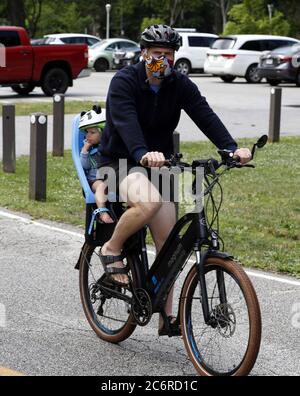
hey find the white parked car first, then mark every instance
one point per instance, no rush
(238, 55)
(192, 54)
(71, 38)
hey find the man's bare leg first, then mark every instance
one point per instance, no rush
(144, 200)
(160, 226)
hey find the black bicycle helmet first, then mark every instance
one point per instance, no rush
(160, 36)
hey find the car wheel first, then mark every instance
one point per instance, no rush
(183, 66)
(228, 79)
(252, 76)
(23, 89)
(55, 81)
(101, 65)
(272, 82)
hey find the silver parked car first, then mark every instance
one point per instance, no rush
(126, 57)
(101, 54)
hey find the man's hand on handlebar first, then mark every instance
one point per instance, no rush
(153, 159)
(156, 159)
(243, 155)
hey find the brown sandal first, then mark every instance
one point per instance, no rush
(110, 271)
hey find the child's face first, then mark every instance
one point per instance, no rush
(93, 136)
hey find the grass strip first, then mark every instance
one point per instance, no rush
(72, 107)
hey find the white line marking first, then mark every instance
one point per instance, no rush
(274, 278)
(38, 224)
(151, 252)
(255, 274)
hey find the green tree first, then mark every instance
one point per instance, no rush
(15, 11)
(150, 21)
(251, 16)
(62, 17)
(199, 14)
(291, 9)
(129, 17)
(223, 6)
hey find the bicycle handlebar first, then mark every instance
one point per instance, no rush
(228, 159)
(210, 165)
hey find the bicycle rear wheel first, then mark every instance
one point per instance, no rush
(110, 317)
(230, 344)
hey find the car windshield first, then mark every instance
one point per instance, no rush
(102, 42)
(49, 40)
(224, 43)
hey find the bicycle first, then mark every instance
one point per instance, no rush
(218, 314)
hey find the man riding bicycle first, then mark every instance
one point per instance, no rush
(144, 103)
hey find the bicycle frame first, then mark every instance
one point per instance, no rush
(171, 260)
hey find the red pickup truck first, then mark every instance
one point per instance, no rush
(51, 67)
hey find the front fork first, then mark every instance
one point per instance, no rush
(201, 257)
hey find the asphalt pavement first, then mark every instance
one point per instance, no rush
(43, 330)
(243, 108)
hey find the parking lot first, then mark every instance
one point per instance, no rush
(244, 108)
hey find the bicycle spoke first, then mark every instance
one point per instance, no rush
(220, 345)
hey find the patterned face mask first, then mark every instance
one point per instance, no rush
(161, 67)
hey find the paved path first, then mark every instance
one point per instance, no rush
(43, 330)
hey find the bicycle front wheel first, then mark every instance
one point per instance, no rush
(229, 344)
(109, 316)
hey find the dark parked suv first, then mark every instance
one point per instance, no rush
(281, 65)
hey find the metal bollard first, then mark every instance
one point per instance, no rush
(38, 157)
(58, 125)
(275, 115)
(9, 138)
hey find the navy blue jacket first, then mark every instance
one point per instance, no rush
(138, 120)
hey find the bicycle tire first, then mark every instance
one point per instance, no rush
(122, 315)
(242, 357)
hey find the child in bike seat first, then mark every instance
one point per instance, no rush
(92, 124)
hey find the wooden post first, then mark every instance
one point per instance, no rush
(58, 125)
(38, 157)
(9, 139)
(275, 115)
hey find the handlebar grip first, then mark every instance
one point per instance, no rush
(144, 162)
